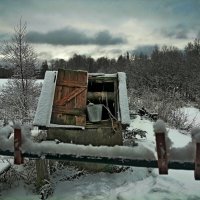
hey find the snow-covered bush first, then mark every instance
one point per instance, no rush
(168, 110)
(15, 174)
(165, 104)
(14, 105)
(9, 179)
(46, 190)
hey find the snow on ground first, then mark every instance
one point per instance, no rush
(193, 115)
(4, 165)
(132, 184)
(3, 82)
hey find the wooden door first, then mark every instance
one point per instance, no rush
(70, 98)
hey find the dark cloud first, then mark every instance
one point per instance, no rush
(105, 38)
(178, 32)
(71, 36)
(174, 34)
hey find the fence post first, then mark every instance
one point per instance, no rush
(18, 159)
(197, 162)
(160, 132)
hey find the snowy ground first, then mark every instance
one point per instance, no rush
(4, 165)
(193, 115)
(134, 183)
(131, 184)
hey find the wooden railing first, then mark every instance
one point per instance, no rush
(163, 164)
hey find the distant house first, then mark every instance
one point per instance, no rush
(83, 108)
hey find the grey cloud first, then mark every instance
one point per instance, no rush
(108, 51)
(181, 35)
(4, 36)
(179, 32)
(45, 55)
(71, 36)
(198, 35)
(174, 34)
(146, 49)
(116, 51)
(105, 38)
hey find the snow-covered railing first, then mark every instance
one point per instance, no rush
(191, 152)
(24, 145)
(139, 156)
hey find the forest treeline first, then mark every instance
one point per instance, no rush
(168, 69)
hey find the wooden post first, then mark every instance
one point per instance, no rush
(18, 158)
(197, 162)
(42, 172)
(162, 153)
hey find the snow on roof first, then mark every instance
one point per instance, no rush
(44, 108)
(123, 99)
(102, 75)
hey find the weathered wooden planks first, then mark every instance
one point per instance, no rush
(70, 98)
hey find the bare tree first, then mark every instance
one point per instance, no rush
(12, 101)
(20, 55)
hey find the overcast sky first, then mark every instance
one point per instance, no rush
(60, 28)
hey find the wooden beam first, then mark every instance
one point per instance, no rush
(71, 84)
(64, 110)
(104, 160)
(100, 96)
(70, 96)
(101, 79)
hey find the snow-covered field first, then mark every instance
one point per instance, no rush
(133, 183)
(130, 184)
